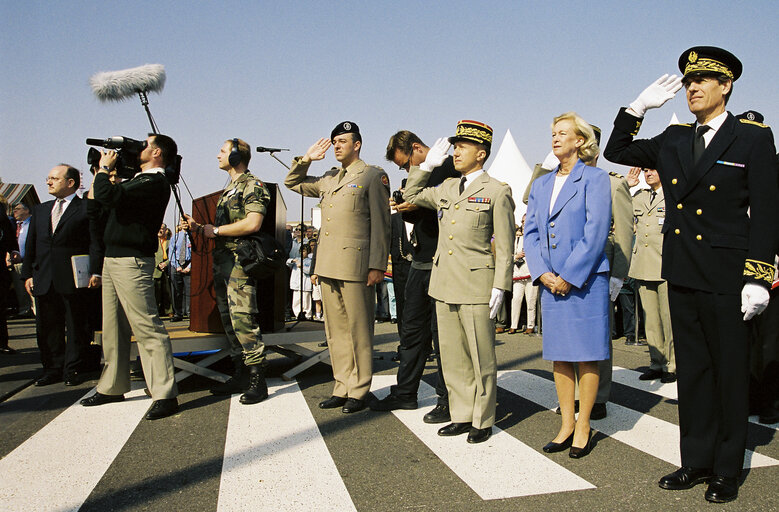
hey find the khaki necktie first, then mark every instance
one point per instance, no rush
(56, 214)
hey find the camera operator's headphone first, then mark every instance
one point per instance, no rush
(235, 155)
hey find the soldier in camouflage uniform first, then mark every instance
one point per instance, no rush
(239, 212)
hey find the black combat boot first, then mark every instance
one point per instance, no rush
(258, 389)
(235, 383)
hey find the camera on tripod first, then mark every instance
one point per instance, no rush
(128, 152)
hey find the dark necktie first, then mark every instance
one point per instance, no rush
(18, 229)
(652, 199)
(341, 175)
(462, 184)
(699, 145)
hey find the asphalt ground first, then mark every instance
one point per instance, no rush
(177, 463)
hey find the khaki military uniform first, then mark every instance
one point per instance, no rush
(353, 239)
(236, 292)
(464, 273)
(645, 268)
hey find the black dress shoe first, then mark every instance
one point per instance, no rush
(48, 379)
(668, 377)
(479, 435)
(162, 409)
(651, 375)
(598, 411)
(454, 429)
(73, 379)
(177, 318)
(391, 403)
(685, 478)
(722, 489)
(353, 405)
(100, 399)
(578, 453)
(7, 350)
(552, 447)
(439, 414)
(321, 344)
(332, 402)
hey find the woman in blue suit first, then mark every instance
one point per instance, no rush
(568, 221)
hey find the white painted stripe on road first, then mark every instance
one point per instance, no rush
(630, 378)
(502, 467)
(275, 457)
(59, 466)
(643, 432)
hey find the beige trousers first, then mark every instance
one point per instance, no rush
(349, 316)
(128, 300)
(467, 344)
(654, 300)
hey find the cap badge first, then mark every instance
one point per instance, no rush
(692, 57)
(347, 126)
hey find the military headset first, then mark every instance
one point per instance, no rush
(235, 155)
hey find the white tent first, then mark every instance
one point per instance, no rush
(508, 165)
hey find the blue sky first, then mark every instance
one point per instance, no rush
(284, 73)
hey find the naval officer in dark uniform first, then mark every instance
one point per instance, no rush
(720, 181)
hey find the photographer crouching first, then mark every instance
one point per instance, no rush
(136, 208)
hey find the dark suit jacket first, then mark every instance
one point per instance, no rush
(47, 255)
(400, 245)
(710, 242)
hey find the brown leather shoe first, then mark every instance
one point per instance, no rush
(499, 330)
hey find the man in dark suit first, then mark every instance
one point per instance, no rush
(7, 246)
(59, 230)
(720, 182)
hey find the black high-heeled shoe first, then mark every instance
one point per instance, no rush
(553, 447)
(578, 453)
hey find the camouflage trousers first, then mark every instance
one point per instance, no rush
(236, 298)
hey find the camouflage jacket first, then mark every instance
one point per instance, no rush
(245, 195)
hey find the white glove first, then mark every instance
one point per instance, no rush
(654, 96)
(754, 299)
(550, 162)
(615, 285)
(436, 155)
(496, 299)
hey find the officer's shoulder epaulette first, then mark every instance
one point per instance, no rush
(686, 125)
(616, 175)
(747, 121)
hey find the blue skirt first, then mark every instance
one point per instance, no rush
(576, 327)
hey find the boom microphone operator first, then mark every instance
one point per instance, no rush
(128, 153)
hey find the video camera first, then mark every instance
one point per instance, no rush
(128, 152)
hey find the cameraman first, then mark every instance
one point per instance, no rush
(239, 212)
(136, 208)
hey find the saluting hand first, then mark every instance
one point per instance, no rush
(632, 177)
(436, 155)
(658, 92)
(318, 150)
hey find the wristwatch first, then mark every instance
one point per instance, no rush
(216, 230)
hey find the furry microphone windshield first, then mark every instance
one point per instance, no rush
(119, 85)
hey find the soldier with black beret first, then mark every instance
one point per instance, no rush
(719, 176)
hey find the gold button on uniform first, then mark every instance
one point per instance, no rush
(554, 246)
(646, 245)
(551, 224)
(457, 207)
(450, 237)
(552, 235)
(674, 181)
(677, 231)
(450, 251)
(452, 221)
(712, 188)
(679, 206)
(328, 219)
(699, 237)
(699, 211)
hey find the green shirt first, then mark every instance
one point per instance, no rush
(242, 196)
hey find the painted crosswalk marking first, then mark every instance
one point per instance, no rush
(630, 378)
(638, 430)
(275, 457)
(41, 474)
(503, 467)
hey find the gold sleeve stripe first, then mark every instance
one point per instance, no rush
(759, 270)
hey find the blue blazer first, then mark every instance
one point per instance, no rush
(570, 241)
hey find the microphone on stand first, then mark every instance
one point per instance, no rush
(263, 149)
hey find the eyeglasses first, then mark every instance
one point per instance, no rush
(407, 165)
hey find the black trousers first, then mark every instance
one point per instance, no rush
(179, 290)
(5, 293)
(57, 315)
(419, 335)
(764, 344)
(712, 365)
(399, 278)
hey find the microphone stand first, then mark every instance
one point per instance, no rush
(302, 212)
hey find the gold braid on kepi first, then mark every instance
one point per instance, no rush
(759, 271)
(473, 131)
(709, 60)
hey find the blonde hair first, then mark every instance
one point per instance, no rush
(588, 151)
